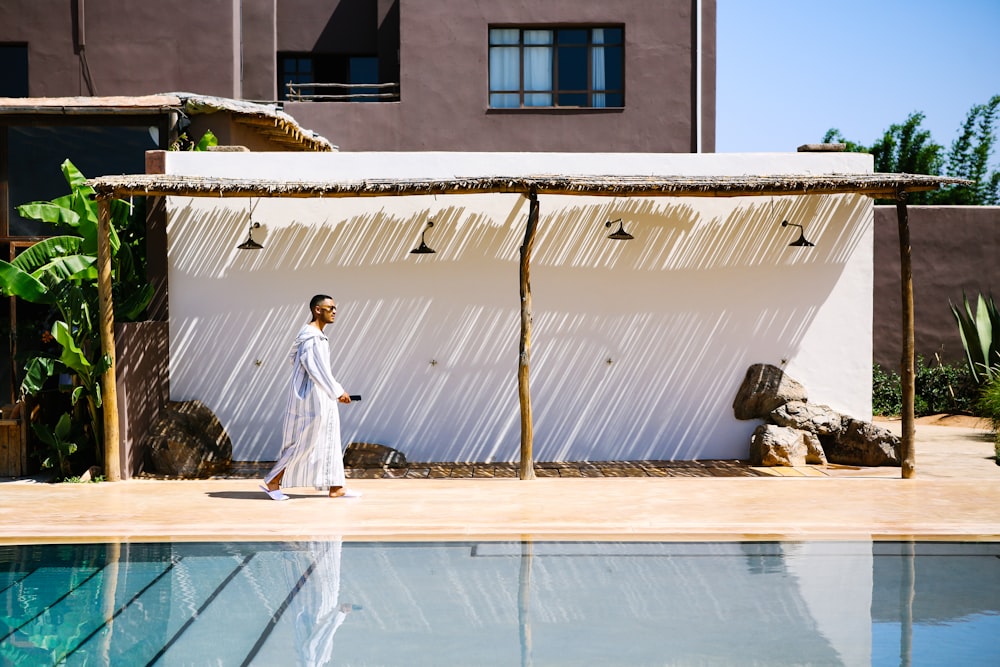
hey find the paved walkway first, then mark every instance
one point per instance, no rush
(955, 496)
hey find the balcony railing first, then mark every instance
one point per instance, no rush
(342, 92)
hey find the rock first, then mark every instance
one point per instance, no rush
(818, 419)
(862, 443)
(92, 473)
(773, 445)
(188, 441)
(371, 455)
(764, 389)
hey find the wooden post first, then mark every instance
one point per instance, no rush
(524, 602)
(527, 469)
(109, 391)
(109, 597)
(906, 364)
(907, 594)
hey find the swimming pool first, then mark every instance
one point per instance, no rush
(501, 603)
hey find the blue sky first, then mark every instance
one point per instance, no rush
(788, 70)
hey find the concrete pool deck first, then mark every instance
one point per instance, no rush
(954, 496)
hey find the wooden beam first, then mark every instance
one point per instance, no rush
(883, 186)
(527, 468)
(248, 190)
(109, 391)
(907, 372)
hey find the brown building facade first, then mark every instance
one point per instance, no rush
(448, 75)
(954, 251)
(368, 75)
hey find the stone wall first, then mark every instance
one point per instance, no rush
(953, 248)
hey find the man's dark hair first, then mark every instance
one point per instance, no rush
(316, 300)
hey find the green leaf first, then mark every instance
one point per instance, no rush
(120, 212)
(45, 251)
(131, 307)
(74, 267)
(207, 139)
(78, 307)
(88, 227)
(76, 180)
(88, 222)
(96, 392)
(967, 332)
(984, 330)
(46, 435)
(36, 372)
(63, 427)
(50, 213)
(15, 282)
(72, 355)
(979, 330)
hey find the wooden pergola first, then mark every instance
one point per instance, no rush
(879, 186)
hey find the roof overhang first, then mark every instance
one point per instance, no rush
(882, 186)
(873, 185)
(266, 119)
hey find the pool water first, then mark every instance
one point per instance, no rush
(501, 603)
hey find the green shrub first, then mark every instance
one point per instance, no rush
(946, 388)
(989, 403)
(939, 388)
(887, 392)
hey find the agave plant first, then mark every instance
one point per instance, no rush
(980, 333)
(61, 272)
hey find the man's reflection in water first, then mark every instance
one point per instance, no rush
(316, 610)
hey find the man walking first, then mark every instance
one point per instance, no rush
(311, 452)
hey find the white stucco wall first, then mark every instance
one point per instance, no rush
(708, 287)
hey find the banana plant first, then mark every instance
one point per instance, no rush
(980, 333)
(61, 272)
(60, 442)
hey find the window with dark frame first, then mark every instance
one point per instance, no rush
(295, 69)
(576, 67)
(319, 68)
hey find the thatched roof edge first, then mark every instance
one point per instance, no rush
(266, 118)
(875, 185)
(285, 129)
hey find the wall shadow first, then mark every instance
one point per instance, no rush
(708, 287)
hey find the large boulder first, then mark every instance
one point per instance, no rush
(818, 419)
(764, 389)
(862, 443)
(188, 441)
(773, 445)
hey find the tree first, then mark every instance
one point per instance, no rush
(903, 149)
(969, 158)
(908, 149)
(833, 136)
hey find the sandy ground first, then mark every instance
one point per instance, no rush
(962, 421)
(953, 496)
